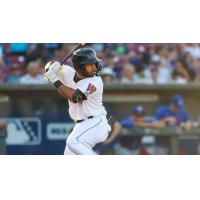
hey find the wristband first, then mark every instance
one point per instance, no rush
(57, 84)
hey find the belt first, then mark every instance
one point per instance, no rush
(81, 120)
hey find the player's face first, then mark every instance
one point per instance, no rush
(90, 69)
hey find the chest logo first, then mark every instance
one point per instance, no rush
(91, 89)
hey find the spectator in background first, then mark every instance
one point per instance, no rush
(137, 119)
(108, 75)
(121, 49)
(161, 74)
(112, 61)
(138, 114)
(127, 146)
(174, 114)
(142, 75)
(127, 74)
(33, 75)
(15, 74)
(178, 78)
(140, 119)
(193, 49)
(188, 64)
(38, 51)
(180, 69)
(162, 51)
(144, 55)
(172, 55)
(41, 64)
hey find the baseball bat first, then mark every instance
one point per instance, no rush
(80, 45)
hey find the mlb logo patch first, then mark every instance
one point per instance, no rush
(23, 131)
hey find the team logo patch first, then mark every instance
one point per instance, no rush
(91, 89)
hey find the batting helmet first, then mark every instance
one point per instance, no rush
(84, 56)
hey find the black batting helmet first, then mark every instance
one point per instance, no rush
(84, 56)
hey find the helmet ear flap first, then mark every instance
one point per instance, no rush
(98, 68)
(77, 66)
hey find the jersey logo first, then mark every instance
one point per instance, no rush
(91, 89)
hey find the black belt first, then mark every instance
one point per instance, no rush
(81, 120)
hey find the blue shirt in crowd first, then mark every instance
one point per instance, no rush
(128, 122)
(164, 111)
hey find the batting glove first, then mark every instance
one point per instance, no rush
(53, 66)
(51, 76)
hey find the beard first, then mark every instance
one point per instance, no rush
(86, 74)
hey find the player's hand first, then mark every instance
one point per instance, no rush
(51, 76)
(53, 66)
(170, 120)
(140, 124)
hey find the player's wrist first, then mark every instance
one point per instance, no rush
(57, 84)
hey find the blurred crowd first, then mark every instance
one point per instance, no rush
(122, 63)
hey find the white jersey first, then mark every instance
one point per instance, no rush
(91, 86)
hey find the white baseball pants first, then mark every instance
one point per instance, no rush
(86, 135)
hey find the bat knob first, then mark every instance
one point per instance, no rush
(47, 66)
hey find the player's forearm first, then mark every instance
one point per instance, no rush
(66, 92)
(115, 130)
(114, 133)
(188, 125)
(76, 96)
(157, 124)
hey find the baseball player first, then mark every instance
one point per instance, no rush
(83, 88)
